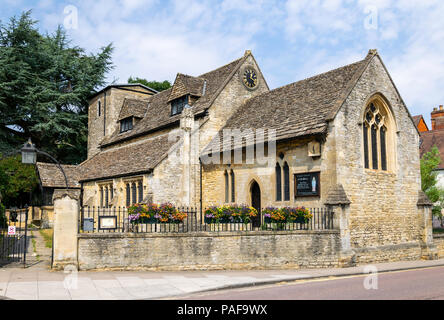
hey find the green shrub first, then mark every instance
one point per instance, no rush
(3, 223)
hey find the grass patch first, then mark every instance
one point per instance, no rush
(34, 247)
(47, 235)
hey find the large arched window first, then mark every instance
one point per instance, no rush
(378, 127)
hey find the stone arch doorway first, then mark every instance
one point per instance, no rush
(255, 192)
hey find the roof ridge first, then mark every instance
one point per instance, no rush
(306, 79)
(190, 76)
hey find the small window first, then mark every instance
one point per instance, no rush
(133, 193)
(278, 182)
(177, 105)
(106, 197)
(128, 195)
(226, 187)
(101, 196)
(99, 109)
(140, 189)
(233, 193)
(286, 182)
(126, 124)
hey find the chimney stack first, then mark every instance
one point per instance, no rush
(438, 118)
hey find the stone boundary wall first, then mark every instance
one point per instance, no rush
(210, 251)
(388, 253)
(438, 241)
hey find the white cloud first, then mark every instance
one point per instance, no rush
(291, 40)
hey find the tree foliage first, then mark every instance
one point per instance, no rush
(17, 180)
(45, 83)
(429, 178)
(156, 85)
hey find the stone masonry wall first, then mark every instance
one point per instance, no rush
(438, 240)
(383, 210)
(207, 251)
(295, 154)
(109, 114)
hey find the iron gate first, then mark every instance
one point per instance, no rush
(13, 237)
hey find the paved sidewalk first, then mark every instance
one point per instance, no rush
(40, 284)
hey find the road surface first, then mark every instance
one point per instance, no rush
(418, 284)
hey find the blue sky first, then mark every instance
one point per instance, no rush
(291, 40)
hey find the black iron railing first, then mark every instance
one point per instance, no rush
(13, 237)
(116, 219)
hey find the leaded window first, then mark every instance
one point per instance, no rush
(126, 124)
(128, 195)
(233, 195)
(278, 182)
(226, 187)
(133, 193)
(106, 197)
(286, 182)
(375, 132)
(140, 187)
(178, 104)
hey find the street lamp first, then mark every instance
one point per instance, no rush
(29, 153)
(29, 156)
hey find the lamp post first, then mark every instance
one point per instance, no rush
(29, 156)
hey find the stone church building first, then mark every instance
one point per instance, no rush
(343, 138)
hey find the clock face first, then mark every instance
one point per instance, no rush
(249, 78)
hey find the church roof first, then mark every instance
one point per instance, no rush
(185, 84)
(136, 158)
(158, 114)
(52, 177)
(133, 108)
(298, 109)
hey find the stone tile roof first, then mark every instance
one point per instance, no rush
(52, 177)
(159, 112)
(423, 200)
(337, 196)
(123, 85)
(135, 158)
(185, 84)
(298, 109)
(431, 138)
(133, 108)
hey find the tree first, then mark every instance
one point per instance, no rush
(45, 83)
(429, 179)
(156, 85)
(17, 180)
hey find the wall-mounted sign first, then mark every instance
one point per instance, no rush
(107, 222)
(11, 231)
(307, 184)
